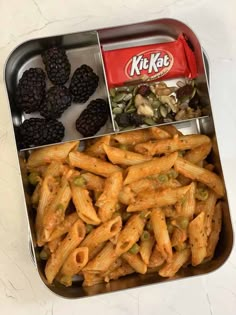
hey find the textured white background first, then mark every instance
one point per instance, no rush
(21, 291)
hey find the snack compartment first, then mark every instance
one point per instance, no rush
(147, 99)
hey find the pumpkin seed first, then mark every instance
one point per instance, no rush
(117, 110)
(156, 103)
(114, 104)
(135, 90)
(130, 104)
(119, 97)
(163, 111)
(127, 97)
(131, 109)
(112, 92)
(149, 121)
(121, 89)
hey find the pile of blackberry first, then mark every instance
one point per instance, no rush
(93, 117)
(31, 96)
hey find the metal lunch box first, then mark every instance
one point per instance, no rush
(85, 47)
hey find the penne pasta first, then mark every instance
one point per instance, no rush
(155, 166)
(133, 137)
(102, 233)
(74, 237)
(55, 169)
(53, 245)
(178, 237)
(198, 239)
(209, 210)
(124, 157)
(199, 153)
(124, 270)
(179, 259)
(84, 206)
(171, 130)
(55, 212)
(95, 250)
(156, 259)
(47, 193)
(171, 145)
(159, 133)
(97, 149)
(215, 231)
(102, 262)
(161, 233)
(130, 234)
(93, 182)
(188, 203)
(135, 262)
(92, 164)
(91, 279)
(145, 250)
(64, 226)
(200, 174)
(150, 198)
(109, 198)
(51, 153)
(73, 265)
(126, 195)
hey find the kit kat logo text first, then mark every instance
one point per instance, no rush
(151, 63)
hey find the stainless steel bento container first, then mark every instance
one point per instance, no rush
(85, 48)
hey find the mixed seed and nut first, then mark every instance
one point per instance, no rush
(147, 105)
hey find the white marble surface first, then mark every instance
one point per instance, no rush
(21, 291)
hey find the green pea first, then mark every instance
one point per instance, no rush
(145, 236)
(172, 174)
(123, 147)
(182, 222)
(201, 194)
(44, 254)
(170, 228)
(126, 216)
(79, 181)
(33, 178)
(134, 249)
(163, 178)
(112, 92)
(60, 207)
(149, 226)
(89, 228)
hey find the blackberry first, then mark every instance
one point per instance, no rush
(92, 118)
(31, 90)
(83, 84)
(39, 131)
(57, 100)
(57, 65)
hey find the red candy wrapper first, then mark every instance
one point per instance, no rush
(150, 63)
